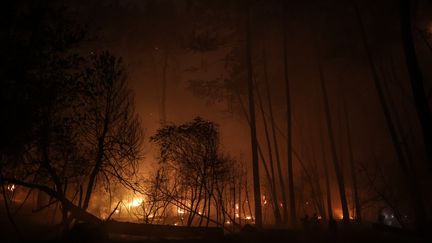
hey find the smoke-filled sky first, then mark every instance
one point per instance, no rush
(151, 34)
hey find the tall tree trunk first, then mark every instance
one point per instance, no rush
(234, 201)
(289, 127)
(260, 152)
(276, 210)
(202, 212)
(327, 180)
(317, 193)
(275, 141)
(416, 77)
(255, 166)
(338, 171)
(208, 210)
(353, 170)
(100, 151)
(239, 203)
(92, 180)
(411, 180)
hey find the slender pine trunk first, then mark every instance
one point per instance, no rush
(275, 141)
(255, 166)
(353, 170)
(336, 163)
(327, 180)
(292, 199)
(276, 210)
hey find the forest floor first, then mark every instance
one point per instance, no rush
(357, 233)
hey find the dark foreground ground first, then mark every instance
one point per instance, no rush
(353, 233)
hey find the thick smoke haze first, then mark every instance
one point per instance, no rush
(141, 32)
(218, 114)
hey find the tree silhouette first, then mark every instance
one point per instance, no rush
(39, 74)
(110, 129)
(62, 111)
(191, 151)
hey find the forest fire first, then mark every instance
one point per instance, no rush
(293, 120)
(338, 214)
(180, 211)
(11, 187)
(135, 202)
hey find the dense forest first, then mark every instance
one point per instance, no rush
(175, 118)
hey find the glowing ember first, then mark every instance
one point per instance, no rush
(248, 217)
(11, 187)
(135, 202)
(180, 211)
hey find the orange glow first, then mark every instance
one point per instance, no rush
(338, 213)
(180, 211)
(429, 28)
(11, 187)
(135, 202)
